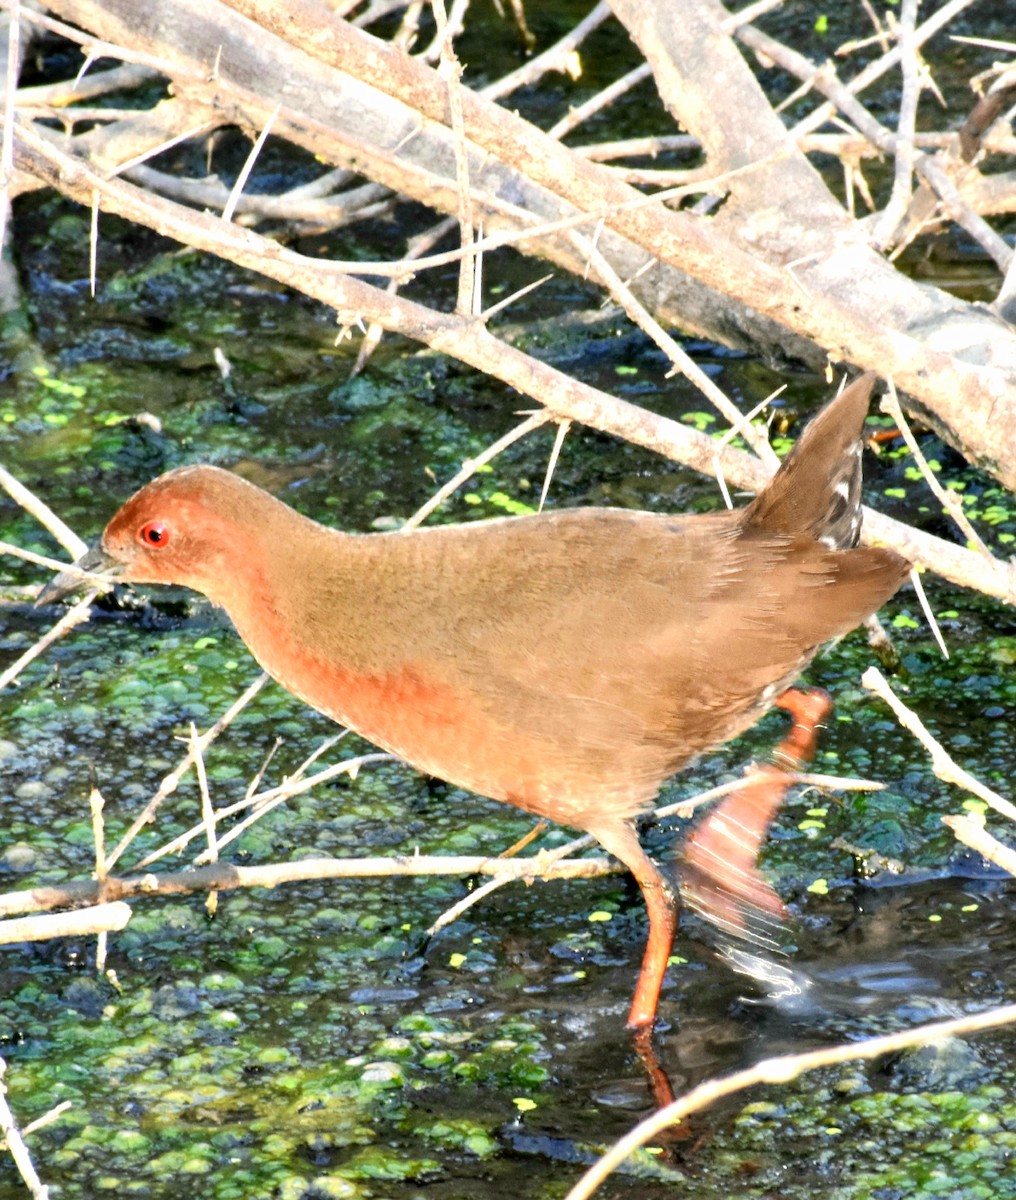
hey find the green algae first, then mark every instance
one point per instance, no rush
(307, 1042)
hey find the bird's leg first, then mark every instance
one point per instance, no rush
(720, 877)
(809, 709)
(620, 839)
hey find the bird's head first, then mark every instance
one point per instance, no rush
(195, 526)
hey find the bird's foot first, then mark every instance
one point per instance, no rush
(720, 878)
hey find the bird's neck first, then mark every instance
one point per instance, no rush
(306, 603)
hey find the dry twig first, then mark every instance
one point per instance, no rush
(81, 922)
(16, 1144)
(225, 876)
(780, 1071)
(943, 764)
(171, 781)
(970, 830)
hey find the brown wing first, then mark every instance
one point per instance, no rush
(626, 643)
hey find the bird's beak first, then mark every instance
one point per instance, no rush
(95, 562)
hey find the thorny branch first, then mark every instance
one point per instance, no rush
(817, 291)
(728, 276)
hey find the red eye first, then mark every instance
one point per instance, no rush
(155, 534)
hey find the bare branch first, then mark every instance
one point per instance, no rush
(892, 215)
(82, 922)
(73, 617)
(16, 1144)
(48, 519)
(224, 876)
(970, 830)
(170, 783)
(942, 763)
(780, 1070)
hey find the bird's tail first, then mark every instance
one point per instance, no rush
(817, 490)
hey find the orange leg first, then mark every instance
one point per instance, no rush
(809, 708)
(720, 878)
(621, 840)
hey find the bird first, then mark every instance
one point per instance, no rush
(564, 662)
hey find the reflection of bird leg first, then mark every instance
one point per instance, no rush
(660, 1087)
(720, 878)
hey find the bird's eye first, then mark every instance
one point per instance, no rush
(155, 535)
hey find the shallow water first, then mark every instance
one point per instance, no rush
(309, 1041)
